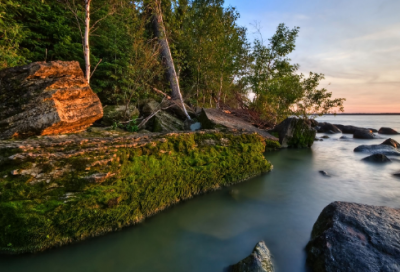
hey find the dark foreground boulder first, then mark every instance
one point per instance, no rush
(327, 128)
(387, 130)
(377, 158)
(364, 134)
(45, 98)
(258, 261)
(354, 237)
(397, 174)
(295, 132)
(391, 142)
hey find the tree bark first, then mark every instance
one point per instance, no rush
(86, 47)
(166, 55)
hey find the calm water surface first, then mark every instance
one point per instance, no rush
(215, 230)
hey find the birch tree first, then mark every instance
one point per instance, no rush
(88, 28)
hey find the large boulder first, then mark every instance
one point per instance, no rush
(258, 261)
(45, 98)
(327, 128)
(377, 158)
(387, 130)
(217, 119)
(354, 237)
(295, 132)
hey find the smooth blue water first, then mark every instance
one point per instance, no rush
(215, 230)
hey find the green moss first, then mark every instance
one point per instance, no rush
(146, 181)
(271, 145)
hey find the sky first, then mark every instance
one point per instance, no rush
(355, 43)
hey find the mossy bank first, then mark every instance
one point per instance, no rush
(55, 191)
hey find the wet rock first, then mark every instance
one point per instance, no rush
(345, 138)
(352, 129)
(391, 142)
(355, 237)
(378, 149)
(45, 98)
(295, 132)
(387, 130)
(217, 119)
(377, 158)
(324, 173)
(327, 128)
(397, 174)
(373, 130)
(118, 113)
(258, 261)
(363, 134)
(325, 137)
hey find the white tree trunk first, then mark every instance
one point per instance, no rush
(166, 54)
(86, 48)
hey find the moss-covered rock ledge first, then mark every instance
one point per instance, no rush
(58, 190)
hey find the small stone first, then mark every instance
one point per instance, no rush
(377, 158)
(325, 137)
(15, 172)
(258, 261)
(324, 173)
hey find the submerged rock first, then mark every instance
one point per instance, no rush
(378, 149)
(397, 174)
(391, 142)
(354, 237)
(217, 119)
(387, 130)
(325, 137)
(258, 261)
(44, 98)
(295, 132)
(345, 138)
(377, 158)
(327, 128)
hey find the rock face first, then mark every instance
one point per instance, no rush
(215, 118)
(377, 158)
(386, 130)
(355, 237)
(258, 261)
(295, 132)
(363, 134)
(46, 98)
(327, 128)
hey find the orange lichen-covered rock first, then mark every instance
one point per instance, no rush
(44, 98)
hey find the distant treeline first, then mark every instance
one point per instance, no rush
(215, 62)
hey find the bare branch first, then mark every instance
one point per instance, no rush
(95, 68)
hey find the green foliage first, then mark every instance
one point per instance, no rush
(148, 179)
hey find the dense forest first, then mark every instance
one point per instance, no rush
(216, 64)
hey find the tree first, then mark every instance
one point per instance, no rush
(88, 29)
(316, 102)
(161, 34)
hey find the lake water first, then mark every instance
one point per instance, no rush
(212, 231)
